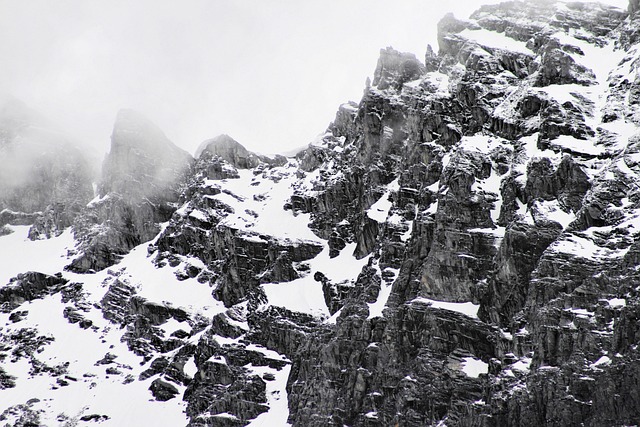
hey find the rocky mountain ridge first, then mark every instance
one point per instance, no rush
(459, 248)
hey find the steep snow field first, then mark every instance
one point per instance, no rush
(90, 389)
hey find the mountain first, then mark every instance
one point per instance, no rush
(142, 177)
(45, 179)
(460, 248)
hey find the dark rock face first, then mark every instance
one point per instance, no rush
(237, 260)
(231, 151)
(44, 178)
(142, 162)
(557, 67)
(163, 390)
(396, 68)
(141, 182)
(490, 223)
(27, 287)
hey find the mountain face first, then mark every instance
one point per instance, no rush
(140, 185)
(461, 248)
(44, 179)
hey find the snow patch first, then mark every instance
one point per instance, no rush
(467, 308)
(493, 39)
(473, 367)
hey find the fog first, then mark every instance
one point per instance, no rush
(270, 74)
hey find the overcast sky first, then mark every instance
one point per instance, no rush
(269, 73)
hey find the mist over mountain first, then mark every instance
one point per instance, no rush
(458, 248)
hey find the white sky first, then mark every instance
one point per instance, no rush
(269, 73)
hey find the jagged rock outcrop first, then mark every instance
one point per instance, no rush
(237, 259)
(27, 287)
(506, 214)
(396, 68)
(142, 178)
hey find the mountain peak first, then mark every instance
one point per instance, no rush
(230, 150)
(132, 128)
(222, 140)
(396, 68)
(142, 159)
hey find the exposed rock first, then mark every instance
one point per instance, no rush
(27, 287)
(229, 150)
(163, 390)
(395, 69)
(6, 380)
(142, 178)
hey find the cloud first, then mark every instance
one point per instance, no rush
(270, 74)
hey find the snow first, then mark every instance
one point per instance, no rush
(268, 353)
(375, 308)
(523, 365)
(480, 143)
(473, 367)
(221, 360)
(161, 285)
(265, 199)
(435, 84)
(276, 398)
(434, 187)
(199, 215)
(305, 294)
(92, 392)
(581, 313)
(617, 302)
(97, 200)
(575, 145)
(597, 59)
(334, 318)
(18, 254)
(172, 325)
(319, 141)
(603, 361)
(584, 248)
(445, 160)
(497, 232)
(380, 209)
(190, 368)
(550, 209)
(493, 39)
(492, 184)
(467, 308)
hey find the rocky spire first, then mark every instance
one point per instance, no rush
(142, 161)
(142, 178)
(396, 68)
